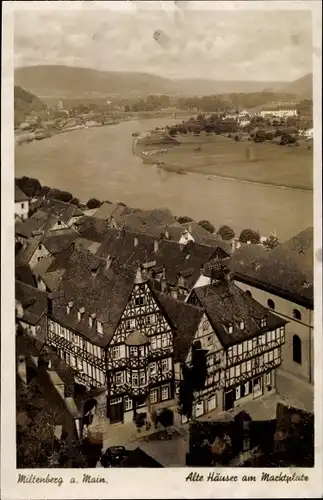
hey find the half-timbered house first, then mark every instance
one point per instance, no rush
(106, 322)
(243, 341)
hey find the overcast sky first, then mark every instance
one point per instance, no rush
(223, 45)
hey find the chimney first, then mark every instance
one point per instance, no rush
(135, 241)
(22, 368)
(156, 245)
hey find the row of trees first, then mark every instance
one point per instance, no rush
(228, 234)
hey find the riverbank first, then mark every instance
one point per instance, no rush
(100, 163)
(217, 156)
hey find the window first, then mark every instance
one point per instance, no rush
(239, 349)
(141, 351)
(268, 378)
(119, 378)
(297, 349)
(150, 319)
(99, 328)
(115, 401)
(263, 322)
(75, 339)
(134, 379)
(130, 324)
(22, 205)
(40, 247)
(80, 365)
(73, 361)
(238, 368)
(230, 329)
(127, 403)
(249, 346)
(164, 364)
(164, 393)
(249, 293)
(142, 378)
(249, 366)
(164, 340)
(297, 314)
(271, 355)
(210, 340)
(238, 392)
(241, 325)
(271, 304)
(133, 351)
(115, 352)
(153, 396)
(153, 369)
(247, 388)
(139, 301)
(234, 350)
(59, 222)
(153, 343)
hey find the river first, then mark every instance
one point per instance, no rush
(99, 163)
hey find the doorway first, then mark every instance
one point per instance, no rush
(116, 412)
(228, 400)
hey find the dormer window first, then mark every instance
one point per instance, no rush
(80, 313)
(263, 322)
(242, 325)
(69, 307)
(230, 328)
(99, 328)
(91, 320)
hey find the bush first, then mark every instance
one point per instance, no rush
(75, 201)
(93, 203)
(183, 219)
(31, 187)
(226, 232)
(271, 242)
(44, 191)
(249, 235)
(64, 196)
(207, 226)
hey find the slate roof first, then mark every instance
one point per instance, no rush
(147, 220)
(24, 274)
(39, 221)
(185, 318)
(139, 458)
(107, 210)
(20, 195)
(33, 301)
(226, 304)
(286, 271)
(62, 209)
(60, 240)
(104, 292)
(92, 228)
(25, 254)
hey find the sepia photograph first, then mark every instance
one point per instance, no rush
(164, 242)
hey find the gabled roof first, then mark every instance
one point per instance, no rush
(148, 221)
(288, 269)
(226, 304)
(24, 274)
(62, 209)
(185, 319)
(39, 221)
(107, 210)
(33, 301)
(101, 291)
(60, 240)
(20, 195)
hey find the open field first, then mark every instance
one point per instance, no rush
(267, 163)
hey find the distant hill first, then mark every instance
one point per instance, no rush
(302, 87)
(25, 103)
(71, 82)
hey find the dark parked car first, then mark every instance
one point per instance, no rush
(113, 456)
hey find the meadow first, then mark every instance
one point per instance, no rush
(218, 155)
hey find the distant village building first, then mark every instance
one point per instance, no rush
(278, 112)
(21, 203)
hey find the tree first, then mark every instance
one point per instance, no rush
(226, 232)
(64, 196)
(173, 131)
(93, 203)
(207, 226)
(183, 219)
(75, 201)
(30, 186)
(271, 242)
(166, 419)
(260, 136)
(44, 191)
(248, 235)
